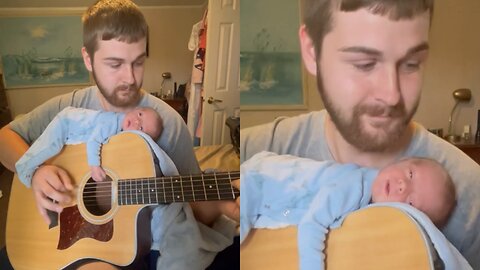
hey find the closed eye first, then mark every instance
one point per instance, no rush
(365, 66)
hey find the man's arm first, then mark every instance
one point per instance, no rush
(12, 147)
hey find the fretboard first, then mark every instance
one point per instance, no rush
(169, 189)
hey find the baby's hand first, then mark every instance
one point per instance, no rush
(98, 174)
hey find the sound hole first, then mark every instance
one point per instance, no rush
(97, 196)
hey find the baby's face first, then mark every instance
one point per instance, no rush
(143, 119)
(421, 185)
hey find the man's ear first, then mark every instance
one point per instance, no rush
(86, 59)
(308, 50)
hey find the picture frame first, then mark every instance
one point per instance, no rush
(271, 73)
(42, 51)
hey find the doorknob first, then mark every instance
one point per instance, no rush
(212, 100)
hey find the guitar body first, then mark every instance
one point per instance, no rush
(109, 236)
(375, 238)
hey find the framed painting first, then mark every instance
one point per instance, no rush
(42, 51)
(271, 73)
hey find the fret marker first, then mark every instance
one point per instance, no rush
(210, 186)
(178, 197)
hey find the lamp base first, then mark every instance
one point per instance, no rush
(453, 138)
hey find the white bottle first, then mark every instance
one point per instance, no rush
(466, 133)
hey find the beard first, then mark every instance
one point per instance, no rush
(357, 133)
(122, 96)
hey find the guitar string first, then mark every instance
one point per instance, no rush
(222, 193)
(197, 192)
(105, 194)
(127, 189)
(105, 188)
(166, 178)
(152, 190)
(224, 196)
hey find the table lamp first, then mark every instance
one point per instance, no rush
(460, 95)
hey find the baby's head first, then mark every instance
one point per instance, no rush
(144, 119)
(420, 182)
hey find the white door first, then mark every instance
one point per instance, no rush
(221, 77)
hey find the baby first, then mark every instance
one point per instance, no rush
(79, 125)
(282, 190)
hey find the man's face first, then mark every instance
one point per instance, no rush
(371, 70)
(118, 69)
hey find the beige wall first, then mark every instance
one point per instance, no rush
(170, 29)
(454, 63)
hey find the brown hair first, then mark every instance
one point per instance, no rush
(318, 13)
(112, 19)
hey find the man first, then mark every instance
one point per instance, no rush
(115, 40)
(368, 58)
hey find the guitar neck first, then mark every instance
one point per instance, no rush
(192, 188)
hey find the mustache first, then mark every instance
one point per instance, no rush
(130, 87)
(381, 110)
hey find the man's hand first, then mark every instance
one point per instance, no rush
(207, 212)
(98, 174)
(232, 209)
(51, 186)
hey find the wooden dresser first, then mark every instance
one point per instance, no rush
(471, 149)
(180, 105)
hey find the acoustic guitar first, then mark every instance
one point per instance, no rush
(375, 238)
(109, 220)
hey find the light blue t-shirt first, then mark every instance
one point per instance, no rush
(304, 136)
(70, 126)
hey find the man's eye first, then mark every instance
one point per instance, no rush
(139, 63)
(410, 66)
(115, 66)
(366, 66)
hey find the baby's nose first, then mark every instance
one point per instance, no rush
(401, 186)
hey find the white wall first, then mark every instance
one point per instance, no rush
(454, 62)
(170, 29)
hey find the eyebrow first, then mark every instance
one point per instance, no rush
(374, 52)
(123, 60)
(419, 48)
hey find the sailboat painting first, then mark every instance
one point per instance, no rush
(270, 60)
(42, 51)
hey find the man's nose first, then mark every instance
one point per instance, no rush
(388, 88)
(128, 75)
